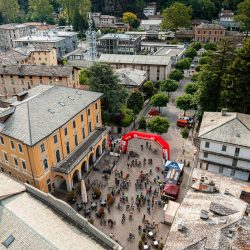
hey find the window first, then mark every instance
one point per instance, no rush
(74, 124)
(88, 111)
(27, 182)
(2, 169)
(65, 131)
(237, 151)
(12, 144)
(90, 127)
(20, 148)
(58, 158)
(2, 140)
(96, 106)
(67, 147)
(55, 139)
(76, 140)
(24, 165)
(232, 172)
(96, 118)
(234, 164)
(206, 144)
(6, 157)
(82, 117)
(83, 133)
(15, 161)
(224, 148)
(221, 170)
(10, 173)
(205, 155)
(49, 185)
(42, 147)
(45, 164)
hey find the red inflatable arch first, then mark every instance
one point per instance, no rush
(145, 136)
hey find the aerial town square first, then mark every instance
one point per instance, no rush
(125, 124)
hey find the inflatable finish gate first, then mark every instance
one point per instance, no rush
(145, 136)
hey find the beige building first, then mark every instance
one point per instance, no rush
(38, 54)
(206, 32)
(157, 67)
(17, 78)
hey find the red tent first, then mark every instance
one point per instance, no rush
(171, 190)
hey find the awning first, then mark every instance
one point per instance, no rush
(170, 211)
(174, 165)
(84, 192)
(171, 189)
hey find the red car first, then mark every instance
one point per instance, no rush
(154, 112)
(184, 122)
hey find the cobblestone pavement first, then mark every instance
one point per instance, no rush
(121, 231)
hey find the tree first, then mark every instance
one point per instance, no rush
(191, 88)
(159, 100)
(178, 15)
(10, 10)
(41, 11)
(158, 125)
(148, 88)
(190, 53)
(243, 15)
(183, 64)
(204, 60)
(203, 9)
(84, 76)
(176, 75)
(196, 45)
(185, 133)
(129, 17)
(135, 102)
(184, 102)
(169, 86)
(236, 82)
(210, 46)
(102, 79)
(142, 123)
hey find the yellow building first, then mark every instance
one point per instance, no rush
(38, 54)
(51, 136)
(17, 78)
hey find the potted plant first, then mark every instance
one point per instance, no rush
(96, 193)
(100, 212)
(143, 236)
(140, 244)
(110, 199)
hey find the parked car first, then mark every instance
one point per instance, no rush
(185, 122)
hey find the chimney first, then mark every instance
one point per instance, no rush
(224, 112)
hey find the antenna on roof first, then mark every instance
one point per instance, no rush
(91, 39)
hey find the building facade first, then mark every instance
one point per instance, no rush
(157, 67)
(17, 78)
(51, 136)
(150, 10)
(10, 32)
(119, 44)
(34, 55)
(209, 33)
(224, 144)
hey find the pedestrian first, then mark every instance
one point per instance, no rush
(147, 144)
(139, 229)
(108, 209)
(153, 222)
(148, 209)
(144, 218)
(142, 147)
(128, 164)
(121, 173)
(128, 156)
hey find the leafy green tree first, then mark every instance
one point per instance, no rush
(236, 82)
(102, 79)
(183, 64)
(142, 123)
(196, 45)
(243, 15)
(159, 125)
(135, 101)
(159, 100)
(176, 75)
(40, 10)
(184, 102)
(203, 9)
(204, 60)
(84, 76)
(128, 117)
(190, 53)
(148, 88)
(210, 46)
(10, 10)
(191, 88)
(178, 15)
(185, 133)
(169, 86)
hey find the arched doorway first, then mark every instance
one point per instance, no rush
(98, 152)
(75, 178)
(146, 136)
(91, 160)
(84, 169)
(104, 142)
(60, 183)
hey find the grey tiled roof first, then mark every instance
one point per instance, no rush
(210, 26)
(36, 70)
(39, 116)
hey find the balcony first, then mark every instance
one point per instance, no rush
(71, 161)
